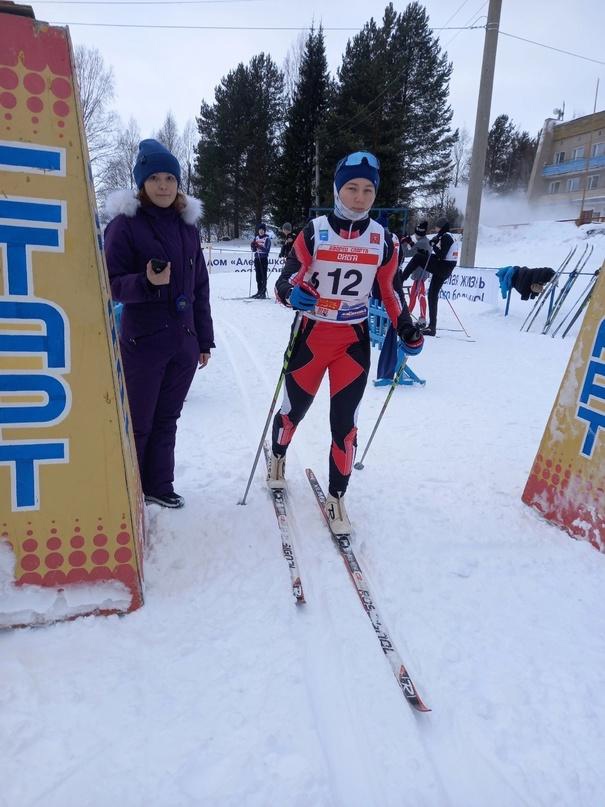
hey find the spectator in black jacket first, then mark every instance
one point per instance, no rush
(440, 264)
(261, 246)
(289, 238)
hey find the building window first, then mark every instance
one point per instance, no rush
(598, 150)
(578, 153)
(573, 184)
(593, 182)
(559, 157)
(554, 187)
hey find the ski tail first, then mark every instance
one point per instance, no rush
(343, 542)
(281, 513)
(579, 302)
(581, 307)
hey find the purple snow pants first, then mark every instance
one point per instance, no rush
(158, 370)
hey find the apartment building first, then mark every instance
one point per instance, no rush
(569, 167)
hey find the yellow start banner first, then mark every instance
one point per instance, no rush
(567, 481)
(71, 511)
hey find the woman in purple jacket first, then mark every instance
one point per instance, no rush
(157, 270)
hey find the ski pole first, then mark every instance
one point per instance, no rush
(359, 465)
(250, 284)
(287, 356)
(458, 318)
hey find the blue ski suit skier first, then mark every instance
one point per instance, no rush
(328, 276)
(261, 246)
(157, 270)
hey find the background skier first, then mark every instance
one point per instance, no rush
(261, 246)
(421, 247)
(441, 263)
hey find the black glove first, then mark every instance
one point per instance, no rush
(412, 339)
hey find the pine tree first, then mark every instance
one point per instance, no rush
(356, 114)
(265, 115)
(235, 161)
(510, 156)
(221, 154)
(500, 141)
(392, 99)
(295, 178)
(522, 160)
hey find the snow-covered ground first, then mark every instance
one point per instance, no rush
(220, 692)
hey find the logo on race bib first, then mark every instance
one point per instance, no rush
(347, 312)
(323, 235)
(374, 238)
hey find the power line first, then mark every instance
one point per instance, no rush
(136, 2)
(215, 27)
(551, 47)
(471, 21)
(460, 7)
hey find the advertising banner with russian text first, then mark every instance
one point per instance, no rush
(70, 502)
(478, 285)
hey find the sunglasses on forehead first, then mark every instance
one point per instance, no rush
(358, 158)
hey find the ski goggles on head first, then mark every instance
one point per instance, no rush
(359, 158)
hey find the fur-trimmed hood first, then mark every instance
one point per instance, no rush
(125, 202)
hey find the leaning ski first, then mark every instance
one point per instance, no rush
(343, 542)
(582, 306)
(567, 287)
(279, 503)
(548, 290)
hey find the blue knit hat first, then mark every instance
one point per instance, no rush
(154, 158)
(358, 165)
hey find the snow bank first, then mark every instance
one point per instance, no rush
(30, 605)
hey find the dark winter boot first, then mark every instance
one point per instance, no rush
(430, 331)
(172, 500)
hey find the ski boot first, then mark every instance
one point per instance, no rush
(337, 515)
(276, 479)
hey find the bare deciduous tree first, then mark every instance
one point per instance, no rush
(116, 174)
(461, 153)
(168, 135)
(291, 65)
(97, 90)
(190, 139)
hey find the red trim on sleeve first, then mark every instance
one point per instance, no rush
(385, 277)
(304, 257)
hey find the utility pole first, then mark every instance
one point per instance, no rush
(484, 103)
(316, 171)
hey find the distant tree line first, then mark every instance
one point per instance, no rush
(266, 147)
(268, 144)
